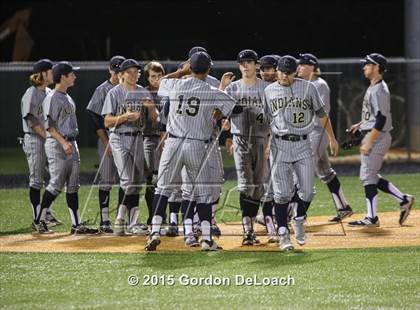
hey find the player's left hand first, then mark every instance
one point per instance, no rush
(365, 148)
(334, 147)
(225, 124)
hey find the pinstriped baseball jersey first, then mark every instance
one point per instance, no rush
(119, 100)
(96, 103)
(291, 109)
(153, 128)
(192, 103)
(60, 112)
(250, 122)
(324, 92)
(211, 80)
(377, 98)
(32, 104)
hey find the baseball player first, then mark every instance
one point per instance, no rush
(290, 106)
(34, 138)
(124, 110)
(376, 125)
(107, 170)
(61, 147)
(268, 73)
(153, 134)
(308, 69)
(189, 127)
(250, 138)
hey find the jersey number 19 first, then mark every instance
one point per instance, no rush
(193, 105)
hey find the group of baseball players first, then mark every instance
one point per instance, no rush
(166, 135)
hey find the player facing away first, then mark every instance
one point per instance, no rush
(107, 170)
(124, 110)
(308, 70)
(290, 106)
(34, 136)
(61, 147)
(189, 127)
(250, 137)
(153, 134)
(376, 125)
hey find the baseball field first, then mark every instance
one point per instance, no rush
(365, 268)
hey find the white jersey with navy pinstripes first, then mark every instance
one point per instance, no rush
(60, 113)
(192, 102)
(96, 103)
(119, 100)
(250, 122)
(324, 92)
(377, 99)
(31, 104)
(291, 109)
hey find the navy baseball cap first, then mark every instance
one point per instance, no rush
(269, 61)
(196, 49)
(376, 59)
(129, 63)
(115, 63)
(287, 64)
(308, 59)
(200, 62)
(42, 65)
(247, 55)
(63, 68)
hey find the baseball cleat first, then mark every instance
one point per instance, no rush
(260, 219)
(405, 208)
(366, 222)
(152, 242)
(207, 245)
(342, 214)
(250, 238)
(51, 220)
(272, 238)
(215, 231)
(81, 229)
(106, 228)
(137, 230)
(299, 229)
(191, 240)
(119, 228)
(172, 230)
(41, 228)
(285, 244)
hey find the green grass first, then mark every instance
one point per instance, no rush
(330, 279)
(15, 211)
(323, 279)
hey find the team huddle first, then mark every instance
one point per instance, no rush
(166, 135)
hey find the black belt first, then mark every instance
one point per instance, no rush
(132, 134)
(365, 132)
(205, 141)
(293, 138)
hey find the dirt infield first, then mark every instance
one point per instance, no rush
(321, 235)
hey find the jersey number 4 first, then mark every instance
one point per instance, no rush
(193, 105)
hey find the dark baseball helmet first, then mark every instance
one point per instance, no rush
(247, 55)
(376, 59)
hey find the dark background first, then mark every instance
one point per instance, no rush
(164, 29)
